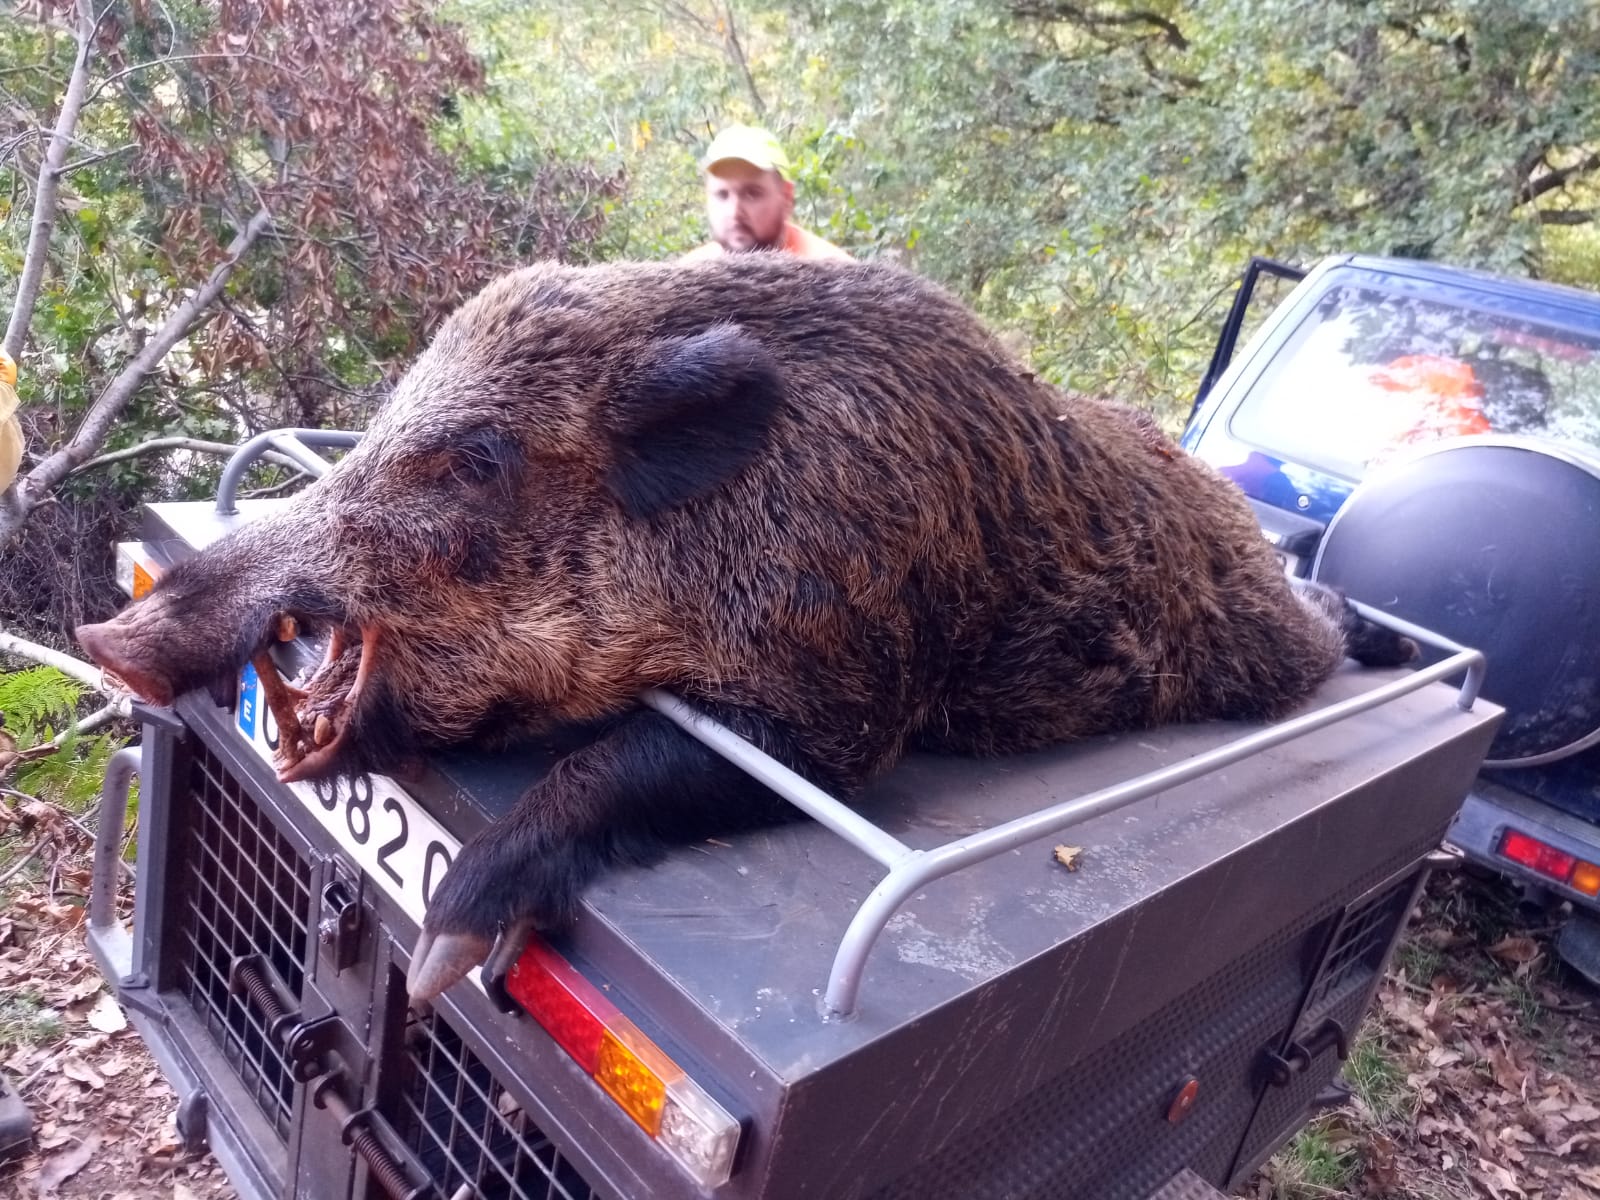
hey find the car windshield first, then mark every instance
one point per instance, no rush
(1370, 374)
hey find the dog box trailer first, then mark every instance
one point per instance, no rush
(1124, 968)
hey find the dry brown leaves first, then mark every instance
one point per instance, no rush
(102, 1114)
(1499, 1051)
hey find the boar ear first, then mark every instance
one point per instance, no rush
(694, 418)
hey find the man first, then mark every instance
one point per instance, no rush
(749, 200)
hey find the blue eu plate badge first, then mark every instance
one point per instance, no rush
(248, 688)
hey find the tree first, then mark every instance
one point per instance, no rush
(244, 215)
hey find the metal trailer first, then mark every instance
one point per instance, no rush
(1152, 1023)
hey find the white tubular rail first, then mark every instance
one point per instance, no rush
(910, 870)
(294, 443)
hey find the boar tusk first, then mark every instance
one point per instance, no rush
(328, 732)
(281, 700)
(288, 628)
(369, 653)
(440, 961)
(335, 648)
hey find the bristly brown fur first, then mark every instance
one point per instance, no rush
(818, 497)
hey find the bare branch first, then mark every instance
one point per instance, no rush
(276, 489)
(1555, 178)
(1095, 22)
(76, 668)
(155, 445)
(27, 857)
(736, 53)
(44, 202)
(1566, 216)
(29, 491)
(172, 58)
(79, 164)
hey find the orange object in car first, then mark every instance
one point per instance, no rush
(1444, 393)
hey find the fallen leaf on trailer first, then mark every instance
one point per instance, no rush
(1068, 856)
(68, 1163)
(107, 1015)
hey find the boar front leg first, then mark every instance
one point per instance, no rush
(620, 801)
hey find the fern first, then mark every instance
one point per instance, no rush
(73, 775)
(38, 701)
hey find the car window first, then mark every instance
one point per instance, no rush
(1369, 374)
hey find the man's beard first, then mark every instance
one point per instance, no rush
(754, 244)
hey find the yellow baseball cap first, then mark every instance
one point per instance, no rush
(747, 143)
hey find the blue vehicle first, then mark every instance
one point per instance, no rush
(1428, 439)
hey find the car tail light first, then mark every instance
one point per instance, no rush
(1547, 860)
(1585, 879)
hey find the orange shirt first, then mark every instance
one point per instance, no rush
(796, 241)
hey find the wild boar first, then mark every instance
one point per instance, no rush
(818, 501)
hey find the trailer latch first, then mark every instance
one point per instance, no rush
(1298, 1056)
(339, 929)
(308, 1046)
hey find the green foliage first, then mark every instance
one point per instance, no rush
(1374, 1071)
(39, 703)
(72, 777)
(36, 702)
(25, 1021)
(1321, 1161)
(1091, 177)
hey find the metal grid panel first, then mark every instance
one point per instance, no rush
(1359, 948)
(467, 1130)
(1115, 1101)
(1340, 993)
(244, 891)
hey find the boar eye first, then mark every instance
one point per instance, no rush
(484, 456)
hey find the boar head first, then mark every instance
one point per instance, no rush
(455, 556)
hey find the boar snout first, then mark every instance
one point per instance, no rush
(108, 647)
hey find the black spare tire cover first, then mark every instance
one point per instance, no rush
(1496, 544)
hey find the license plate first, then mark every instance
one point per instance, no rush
(384, 831)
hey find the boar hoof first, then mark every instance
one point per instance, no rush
(288, 628)
(439, 961)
